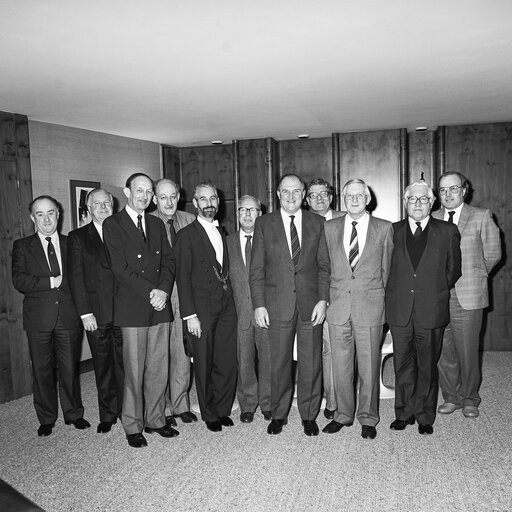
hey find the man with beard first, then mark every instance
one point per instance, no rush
(206, 305)
(144, 267)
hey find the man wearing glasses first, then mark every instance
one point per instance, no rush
(425, 264)
(252, 341)
(289, 280)
(459, 368)
(319, 196)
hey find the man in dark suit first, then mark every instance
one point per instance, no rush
(253, 345)
(319, 195)
(426, 263)
(39, 265)
(206, 305)
(143, 265)
(92, 285)
(166, 198)
(289, 281)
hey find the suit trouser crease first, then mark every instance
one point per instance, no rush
(327, 367)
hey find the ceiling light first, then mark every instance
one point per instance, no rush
(216, 142)
(303, 136)
(421, 128)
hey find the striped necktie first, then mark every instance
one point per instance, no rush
(295, 242)
(353, 249)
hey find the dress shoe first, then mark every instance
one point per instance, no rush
(246, 417)
(276, 426)
(169, 420)
(334, 426)
(45, 430)
(328, 414)
(214, 426)
(165, 431)
(136, 440)
(401, 424)
(226, 421)
(186, 417)
(368, 432)
(448, 408)
(80, 423)
(267, 415)
(104, 427)
(471, 411)
(310, 427)
(425, 429)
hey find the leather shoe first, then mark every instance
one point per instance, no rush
(401, 424)
(226, 421)
(333, 427)
(471, 411)
(276, 426)
(328, 414)
(187, 417)
(368, 432)
(169, 420)
(80, 423)
(104, 427)
(165, 431)
(310, 427)
(214, 426)
(45, 430)
(267, 415)
(246, 417)
(136, 440)
(448, 408)
(425, 429)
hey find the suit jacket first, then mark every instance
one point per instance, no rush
(90, 278)
(274, 281)
(427, 287)
(198, 285)
(138, 267)
(360, 293)
(31, 276)
(481, 250)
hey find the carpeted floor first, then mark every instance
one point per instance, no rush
(465, 466)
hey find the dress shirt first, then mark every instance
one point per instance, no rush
(298, 224)
(243, 242)
(56, 244)
(456, 217)
(99, 229)
(361, 228)
(214, 237)
(134, 216)
(413, 226)
(328, 215)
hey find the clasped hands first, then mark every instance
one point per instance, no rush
(158, 299)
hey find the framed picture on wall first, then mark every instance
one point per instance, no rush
(78, 191)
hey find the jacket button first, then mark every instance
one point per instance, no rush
(353, 276)
(139, 255)
(142, 271)
(412, 291)
(158, 252)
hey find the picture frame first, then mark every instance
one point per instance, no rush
(78, 191)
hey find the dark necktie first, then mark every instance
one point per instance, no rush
(295, 241)
(353, 249)
(248, 249)
(418, 231)
(141, 229)
(172, 232)
(451, 214)
(52, 258)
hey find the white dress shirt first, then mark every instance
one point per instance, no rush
(298, 224)
(56, 245)
(361, 229)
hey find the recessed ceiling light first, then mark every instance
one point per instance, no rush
(216, 142)
(421, 128)
(303, 136)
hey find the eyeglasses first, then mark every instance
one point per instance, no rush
(454, 189)
(317, 195)
(104, 204)
(350, 197)
(252, 211)
(414, 199)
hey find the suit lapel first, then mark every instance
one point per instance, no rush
(207, 245)
(371, 235)
(340, 235)
(280, 233)
(39, 254)
(132, 230)
(465, 214)
(402, 233)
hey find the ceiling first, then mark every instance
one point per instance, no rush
(188, 72)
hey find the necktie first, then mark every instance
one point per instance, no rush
(451, 214)
(418, 231)
(141, 229)
(52, 258)
(172, 232)
(353, 249)
(248, 249)
(295, 241)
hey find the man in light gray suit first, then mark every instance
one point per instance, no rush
(166, 198)
(459, 367)
(360, 248)
(319, 195)
(252, 341)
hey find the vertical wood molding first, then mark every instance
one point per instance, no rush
(336, 171)
(236, 173)
(441, 151)
(270, 164)
(404, 169)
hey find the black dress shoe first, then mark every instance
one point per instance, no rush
(186, 417)
(276, 426)
(267, 415)
(246, 417)
(226, 421)
(169, 420)
(334, 426)
(425, 429)
(401, 424)
(310, 427)
(80, 423)
(329, 414)
(45, 430)
(104, 427)
(368, 432)
(165, 431)
(136, 440)
(214, 426)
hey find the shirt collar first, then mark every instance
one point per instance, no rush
(208, 226)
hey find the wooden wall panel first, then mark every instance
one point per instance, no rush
(483, 153)
(421, 156)
(253, 169)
